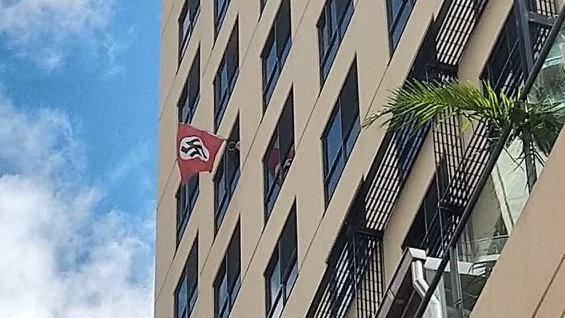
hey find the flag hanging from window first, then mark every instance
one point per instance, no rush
(278, 165)
(196, 150)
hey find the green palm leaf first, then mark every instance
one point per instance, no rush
(543, 123)
(537, 125)
(442, 100)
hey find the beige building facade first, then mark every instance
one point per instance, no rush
(309, 214)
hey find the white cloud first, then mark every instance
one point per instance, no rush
(60, 256)
(45, 30)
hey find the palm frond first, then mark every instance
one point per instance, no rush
(545, 120)
(426, 101)
(418, 103)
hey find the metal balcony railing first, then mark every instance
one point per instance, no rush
(346, 277)
(495, 202)
(354, 273)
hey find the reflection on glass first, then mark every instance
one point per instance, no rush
(549, 85)
(500, 203)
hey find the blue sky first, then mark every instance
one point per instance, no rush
(78, 128)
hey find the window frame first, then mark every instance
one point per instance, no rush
(220, 14)
(191, 266)
(230, 66)
(280, 43)
(230, 181)
(346, 145)
(189, 99)
(185, 204)
(334, 33)
(192, 12)
(274, 178)
(233, 250)
(395, 26)
(287, 267)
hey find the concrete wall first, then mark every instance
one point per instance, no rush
(529, 278)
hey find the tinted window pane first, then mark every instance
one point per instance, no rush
(278, 307)
(227, 174)
(276, 50)
(275, 282)
(399, 27)
(346, 18)
(334, 175)
(281, 274)
(221, 187)
(181, 297)
(394, 8)
(288, 241)
(292, 275)
(333, 140)
(186, 25)
(186, 291)
(226, 76)
(279, 155)
(223, 291)
(332, 25)
(227, 282)
(272, 197)
(355, 130)
(233, 259)
(341, 132)
(270, 62)
(399, 12)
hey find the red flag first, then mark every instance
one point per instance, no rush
(274, 164)
(196, 150)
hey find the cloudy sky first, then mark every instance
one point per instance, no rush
(78, 100)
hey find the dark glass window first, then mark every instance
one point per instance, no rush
(398, 12)
(279, 156)
(191, 92)
(226, 76)
(226, 176)
(262, 4)
(282, 269)
(228, 279)
(220, 9)
(341, 133)
(186, 200)
(276, 50)
(186, 292)
(503, 69)
(421, 232)
(187, 21)
(331, 28)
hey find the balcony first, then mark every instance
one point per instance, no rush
(469, 250)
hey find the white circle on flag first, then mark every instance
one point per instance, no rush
(192, 147)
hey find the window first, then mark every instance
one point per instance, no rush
(228, 279)
(282, 269)
(220, 9)
(279, 156)
(341, 133)
(186, 291)
(398, 14)
(226, 176)
(262, 4)
(187, 21)
(276, 50)
(191, 92)
(186, 200)
(226, 76)
(331, 28)
(421, 231)
(503, 69)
